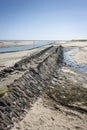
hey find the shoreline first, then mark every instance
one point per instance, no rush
(80, 56)
(54, 108)
(16, 43)
(9, 58)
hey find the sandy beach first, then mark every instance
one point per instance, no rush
(44, 115)
(9, 59)
(43, 65)
(44, 118)
(79, 56)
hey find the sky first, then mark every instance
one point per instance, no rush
(43, 19)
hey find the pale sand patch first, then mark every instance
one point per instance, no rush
(80, 56)
(68, 71)
(44, 118)
(9, 59)
(76, 44)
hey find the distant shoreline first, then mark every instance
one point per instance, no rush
(16, 43)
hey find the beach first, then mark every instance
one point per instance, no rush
(79, 55)
(48, 114)
(51, 111)
(9, 59)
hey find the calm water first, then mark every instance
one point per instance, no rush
(68, 59)
(22, 48)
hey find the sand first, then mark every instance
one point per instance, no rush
(80, 56)
(43, 114)
(75, 44)
(40, 116)
(44, 118)
(9, 59)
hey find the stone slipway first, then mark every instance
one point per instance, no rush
(23, 83)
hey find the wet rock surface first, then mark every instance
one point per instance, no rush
(34, 74)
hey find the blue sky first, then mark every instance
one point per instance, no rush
(43, 19)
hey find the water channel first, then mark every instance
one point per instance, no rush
(26, 47)
(68, 59)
